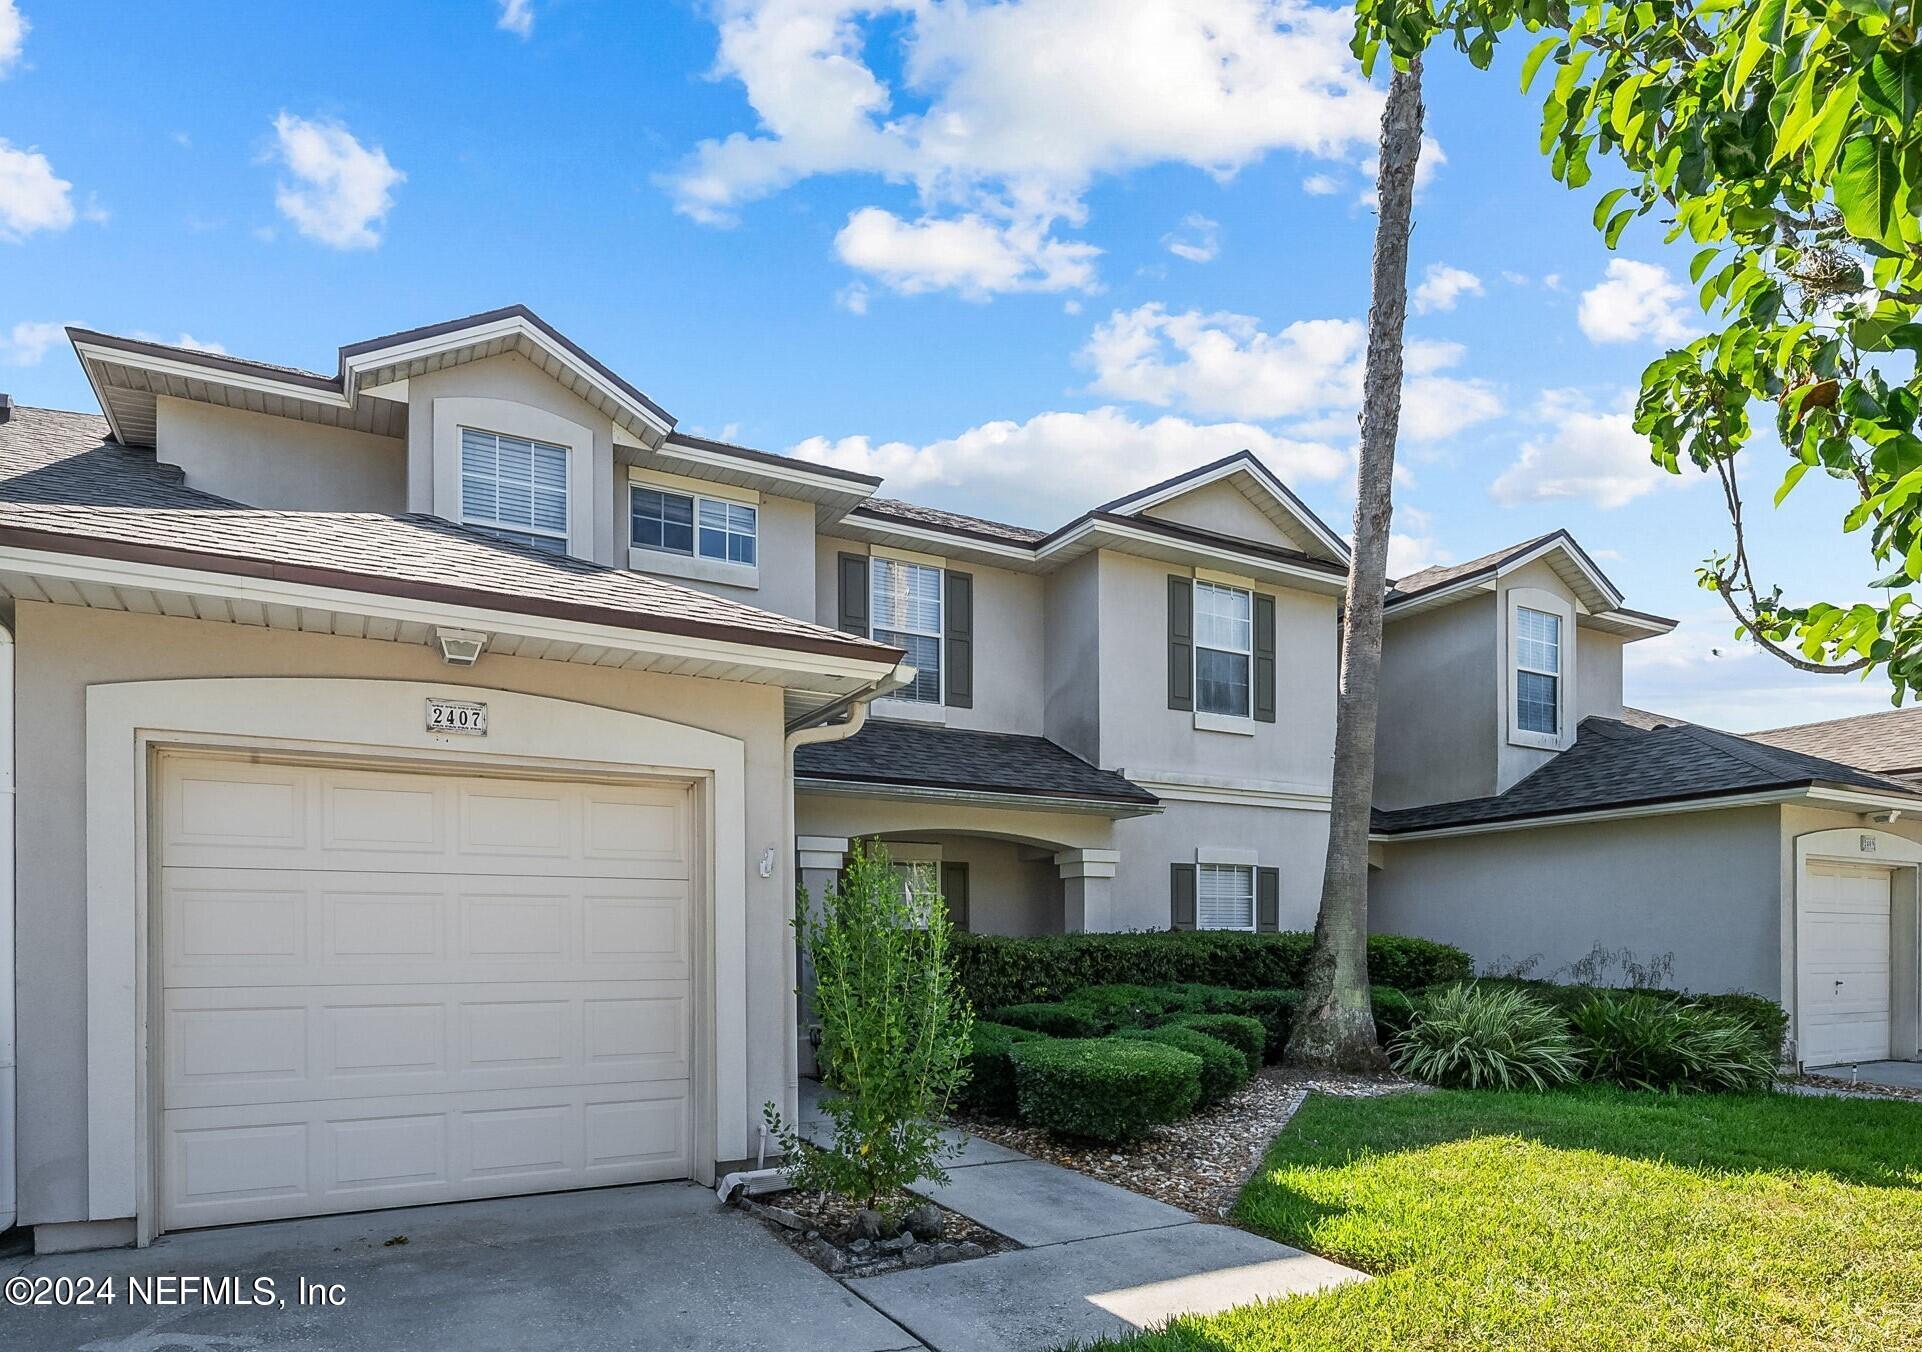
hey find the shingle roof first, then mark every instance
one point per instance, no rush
(915, 514)
(1615, 763)
(1889, 741)
(892, 752)
(1429, 579)
(66, 486)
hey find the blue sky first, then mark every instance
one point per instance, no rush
(1017, 257)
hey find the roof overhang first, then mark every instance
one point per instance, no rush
(833, 492)
(1591, 587)
(1256, 482)
(1156, 541)
(120, 580)
(1818, 795)
(928, 793)
(948, 543)
(368, 393)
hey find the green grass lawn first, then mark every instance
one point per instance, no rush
(1590, 1219)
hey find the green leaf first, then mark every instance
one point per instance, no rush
(1607, 204)
(1789, 480)
(1867, 189)
(1830, 123)
(1892, 87)
(1617, 225)
(1798, 122)
(1764, 31)
(1533, 61)
(1701, 261)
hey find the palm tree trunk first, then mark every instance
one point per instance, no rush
(1336, 1029)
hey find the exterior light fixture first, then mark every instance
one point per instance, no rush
(460, 647)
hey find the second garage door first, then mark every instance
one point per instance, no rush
(1845, 945)
(384, 988)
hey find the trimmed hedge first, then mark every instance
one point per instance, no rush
(1394, 1012)
(1768, 1019)
(1223, 1068)
(990, 1089)
(1105, 1089)
(1129, 1006)
(1055, 1018)
(1239, 1031)
(998, 970)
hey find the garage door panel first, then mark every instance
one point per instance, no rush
(261, 1162)
(383, 989)
(1844, 941)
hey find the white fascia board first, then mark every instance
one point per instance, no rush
(1846, 800)
(84, 569)
(1092, 532)
(506, 326)
(262, 382)
(796, 474)
(1140, 502)
(973, 797)
(1647, 627)
(950, 544)
(1574, 556)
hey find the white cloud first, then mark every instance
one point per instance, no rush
(1321, 185)
(1514, 278)
(1584, 456)
(853, 298)
(183, 340)
(1703, 673)
(1010, 111)
(13, 36)
(517, 17)
(341, 190)
(1442, 286)
(31, 197)
(1054, 465)
(1411, 543)
(1198, 240)
(970, 254)
(1635, 301)
(28, 341)
(1553, 281)
(1225, 364)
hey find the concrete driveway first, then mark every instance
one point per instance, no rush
(658, 1267)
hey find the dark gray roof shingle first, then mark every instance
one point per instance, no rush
(1615, 763)
(1889, 741)
(888, 751)
(65, 485)
(914, 514)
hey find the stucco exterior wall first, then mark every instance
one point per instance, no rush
(1224, 509)
(1703, 886)
(1071, 706)
(783, 575)
(64, 650)
(1143, 736)
(1440, 706)
(1294, 840)
(1598, 657)
(281, 463)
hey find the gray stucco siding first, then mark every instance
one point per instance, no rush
(1295, 841)
(1440, 707)
(1702, 886)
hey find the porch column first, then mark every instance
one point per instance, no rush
(818, 861)
(1087, 878)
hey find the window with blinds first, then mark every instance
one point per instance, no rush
(1224, 897)
(905, 606)
(515, 488)
(1538, 671)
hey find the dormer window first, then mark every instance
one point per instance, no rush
(514, 487)
(1541, 668)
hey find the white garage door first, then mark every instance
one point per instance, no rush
(388, 988)
(1843, 940)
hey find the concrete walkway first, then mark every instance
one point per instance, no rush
(1100, 1261)
(1893, 1074)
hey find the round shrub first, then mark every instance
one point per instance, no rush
(1125, 1005)
(1054, 1019)
(1223, 1068)
(1104, 1089)
(1239, 1031)
(1394, 1012)
(1487, 1037)
(1643, 1042)
(990, 1089)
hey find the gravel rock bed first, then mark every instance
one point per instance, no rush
(1199, 1164)
(820, 1228)
(1863, 1088)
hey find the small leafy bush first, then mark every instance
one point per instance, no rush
(1129, 1006)
(1055, 1018)
(1766, 1018)
(1639, 1041)
(1239, 1031)
(1104, 1089)
(1223, 1068)
(1475, 1036)
(895, 1035)
(1394, 1012)
(998, 970)
(990, 1088)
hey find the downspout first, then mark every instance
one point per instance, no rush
(818, 725)
(9, 1121)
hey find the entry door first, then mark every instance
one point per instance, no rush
(1844, 946)
(383, 989)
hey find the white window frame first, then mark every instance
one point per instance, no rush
(691, 563)
(507, 417)
(514, 530)
(1206, 868)
(1547, 603)
(1216, 719)
(911, 706)
(697, 503)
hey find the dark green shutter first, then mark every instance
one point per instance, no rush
(958, 629)
(1181, 897)
(1264, 658)
(1267, 900)
(851, 611)
(1181, 652)
(954, 890)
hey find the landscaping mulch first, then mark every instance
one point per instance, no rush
(1201, 1163)
(820, 1227)
(1862, 1088)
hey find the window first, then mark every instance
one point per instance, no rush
(1224, 642)
(515, 488)
(905, 610)
(1224, 897)
(1538, 671)
(920, 886)
(666, 521)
